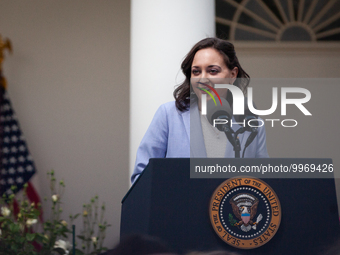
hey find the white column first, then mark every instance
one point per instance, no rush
(162, 33)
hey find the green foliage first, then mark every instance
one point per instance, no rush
(232, 220)
(94, 227)
(19, 232)
(16, 232)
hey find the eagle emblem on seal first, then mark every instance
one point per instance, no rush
(245, 208)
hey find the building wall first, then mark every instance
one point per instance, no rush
(68, 79)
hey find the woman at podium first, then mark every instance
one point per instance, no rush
(181, 129)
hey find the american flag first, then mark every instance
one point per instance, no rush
(17, 166)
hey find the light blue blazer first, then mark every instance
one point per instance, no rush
(174, 134)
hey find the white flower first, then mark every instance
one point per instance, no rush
(94, 239)
(30, 222)
(55, 198)
(62, 245)
(64, 223)
(5, 211)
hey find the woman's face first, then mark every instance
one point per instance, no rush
(208, 67)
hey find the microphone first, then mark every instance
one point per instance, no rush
(219, 116)
(219, 112)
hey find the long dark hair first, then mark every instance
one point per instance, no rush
(226, 49)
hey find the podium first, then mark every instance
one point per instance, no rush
(165, 202)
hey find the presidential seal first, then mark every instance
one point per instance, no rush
(245, 212)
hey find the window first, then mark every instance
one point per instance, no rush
(278, 20)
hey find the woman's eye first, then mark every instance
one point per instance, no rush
(213, 71)
(195, 72)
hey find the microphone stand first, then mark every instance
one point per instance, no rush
(225, 113)
(232, 137)
(235, 141)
